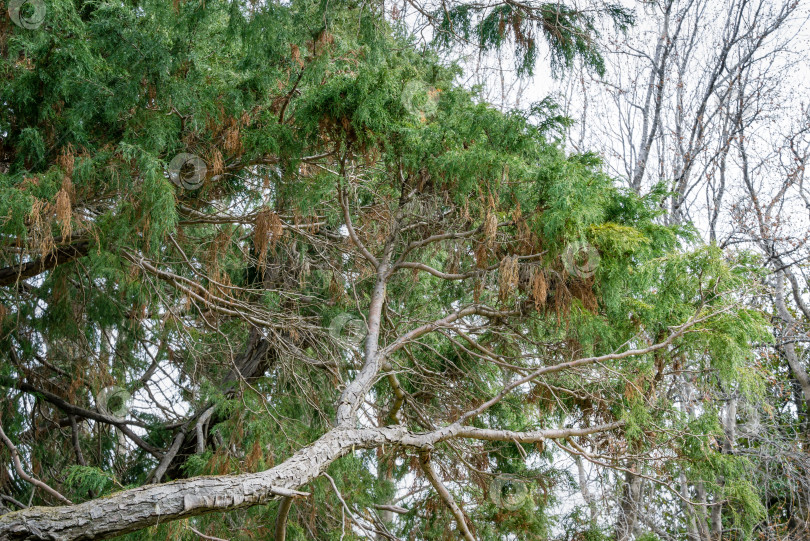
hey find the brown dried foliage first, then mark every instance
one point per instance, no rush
(478, 289)
(539, 288)
(66, 160)
(267, 230)
(562, 298)
(64, 208)
(40, 230)
(508, 274)
(217, 163)
(232, 141)
(490, 229)
(583, 290)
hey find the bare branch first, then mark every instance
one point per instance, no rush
(15, 457)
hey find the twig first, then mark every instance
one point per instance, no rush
(15, 457)
(203, 536)
(12, 500)
(393, 508)
(345, 505)
(74, 430)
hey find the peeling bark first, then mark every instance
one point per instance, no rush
(141, 507)
(138, 508)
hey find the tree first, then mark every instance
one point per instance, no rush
(704, 99)
(272, 254)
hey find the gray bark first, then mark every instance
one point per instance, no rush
(137, 508)
(586, 493)
(794, 362)
(627, 525)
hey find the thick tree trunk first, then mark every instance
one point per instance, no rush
(789, 348)
(628, 513)
(138, 508)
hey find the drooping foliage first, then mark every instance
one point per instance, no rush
(230, 299)
(523, 29)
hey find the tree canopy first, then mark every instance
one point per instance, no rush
(270, 271)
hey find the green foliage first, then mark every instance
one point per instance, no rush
(745, 503)
(256, 91)
(88, 480)
(570, 33)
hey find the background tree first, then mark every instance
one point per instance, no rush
(704, 99)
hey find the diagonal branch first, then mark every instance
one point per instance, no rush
(58, 256)
(281, 519)
(71, 409)
(137, 508)
(461, 520)
(352, 233)
(15, 457)
(679, 331)
(345, 506)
